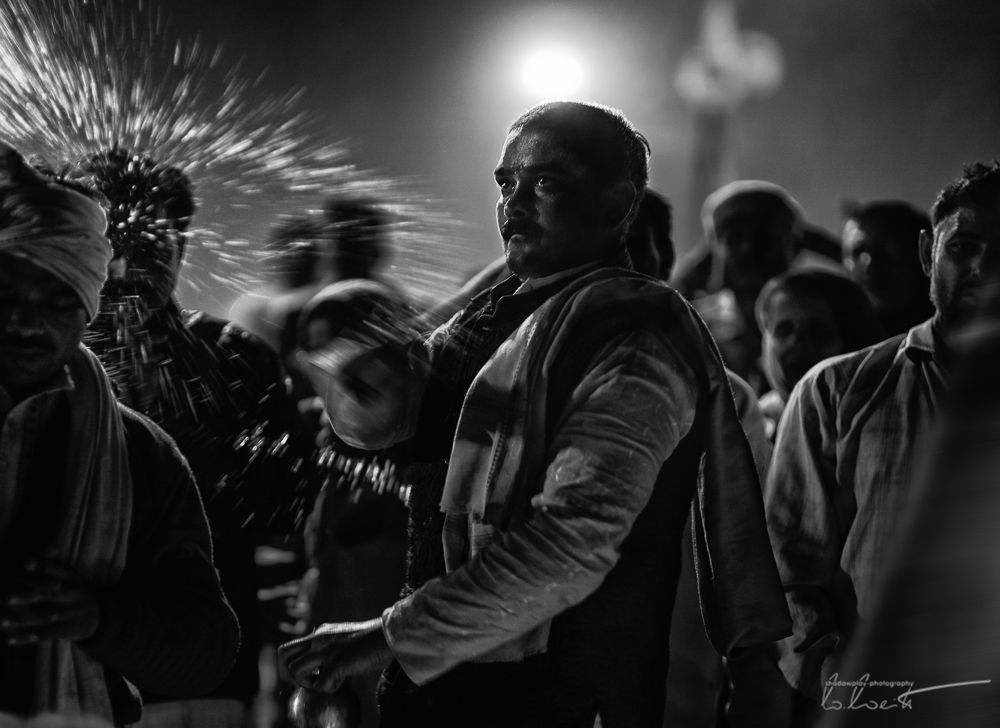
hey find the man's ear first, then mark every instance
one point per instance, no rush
(926, 251)
(619, 199)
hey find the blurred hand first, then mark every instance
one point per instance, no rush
(322, 660)
(49, 602)
(371, 393)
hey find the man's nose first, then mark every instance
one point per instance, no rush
(519, 203)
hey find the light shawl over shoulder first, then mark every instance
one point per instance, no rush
(515, 561)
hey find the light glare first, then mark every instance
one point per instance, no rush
(552, 73)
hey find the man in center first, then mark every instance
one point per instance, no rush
(559, 423)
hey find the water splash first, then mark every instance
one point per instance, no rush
(219, 395)
(80, 76)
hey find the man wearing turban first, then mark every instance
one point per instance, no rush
(106, 578)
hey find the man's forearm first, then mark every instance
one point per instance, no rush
(625, 420)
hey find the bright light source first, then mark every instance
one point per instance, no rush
(552, 73)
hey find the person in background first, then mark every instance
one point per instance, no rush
(356, 533)
(217, 390)
(936, 615)
(842, 467)
(753, 232)
(881, 254)
(358, 230)
(105, 555)
(807, 316)
(298, 264)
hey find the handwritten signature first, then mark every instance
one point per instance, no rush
(858, 687)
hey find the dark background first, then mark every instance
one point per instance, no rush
(881, 98)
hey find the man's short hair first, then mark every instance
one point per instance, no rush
(605, 142)
(136, 186)
(901, 220)
(978, 186)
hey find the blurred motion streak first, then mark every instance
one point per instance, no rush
(77, 77)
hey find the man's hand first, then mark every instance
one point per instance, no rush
(371, 392)
(50, 602)
(332, 653)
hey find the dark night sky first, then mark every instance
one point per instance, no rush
(881, 98)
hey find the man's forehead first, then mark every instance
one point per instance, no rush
(535, 148)
(977, 220)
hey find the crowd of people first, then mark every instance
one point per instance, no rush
(594, 486)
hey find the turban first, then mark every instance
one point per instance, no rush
(55, 228)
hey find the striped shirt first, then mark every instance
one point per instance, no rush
(838, 485)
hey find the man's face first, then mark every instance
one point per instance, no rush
(41, 324)
(146, 267)
(874, 259)
(552, 213)
(758, 245)
(357, 248)
(800, 333)
(296, 262)
(957, 259)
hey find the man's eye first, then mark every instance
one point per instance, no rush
(63, 304)
(505, 185)
(963, 247)
(783, 330)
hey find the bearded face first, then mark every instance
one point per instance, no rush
(961, 243)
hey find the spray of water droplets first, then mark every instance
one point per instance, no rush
(81, 76)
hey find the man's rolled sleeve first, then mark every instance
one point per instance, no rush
(801, 504)
(634, 403)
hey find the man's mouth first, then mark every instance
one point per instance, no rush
(23, 348)
(969, 294)
(523, 231)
